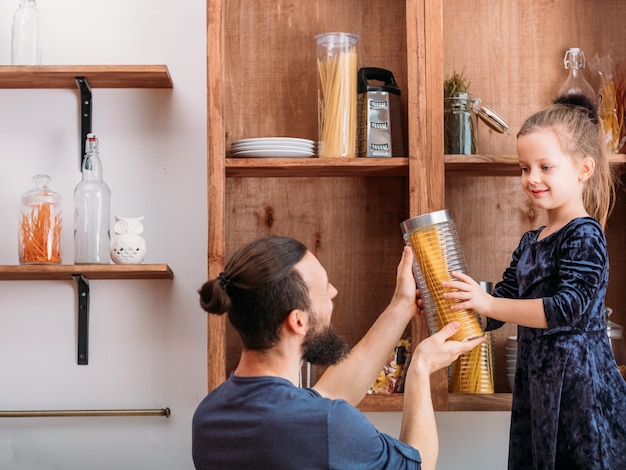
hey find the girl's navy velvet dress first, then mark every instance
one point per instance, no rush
(569, 399)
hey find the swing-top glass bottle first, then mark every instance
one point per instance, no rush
(576, 83)
(92, 210)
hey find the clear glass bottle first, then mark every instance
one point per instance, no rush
(26, 35)
(92, 210)
(40, 222)
(574, 61)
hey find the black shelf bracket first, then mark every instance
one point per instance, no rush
(82, 286)
(85, 114)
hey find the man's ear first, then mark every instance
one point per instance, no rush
(297, 321)
(587, 167)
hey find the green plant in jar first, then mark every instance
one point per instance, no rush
(458, 117)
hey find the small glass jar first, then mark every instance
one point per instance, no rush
(39, 227)
(459, 119)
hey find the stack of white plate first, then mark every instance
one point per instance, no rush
(511, 359)
(272, 147)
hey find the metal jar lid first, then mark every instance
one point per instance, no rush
(493, 120)
(425, 220)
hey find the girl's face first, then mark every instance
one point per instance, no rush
(553, 180)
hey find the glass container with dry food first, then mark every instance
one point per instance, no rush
(39, 228)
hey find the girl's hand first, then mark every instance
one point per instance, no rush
(469, 294)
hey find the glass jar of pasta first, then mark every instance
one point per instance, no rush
(337, 94)
(39, 225)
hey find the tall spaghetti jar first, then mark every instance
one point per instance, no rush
(435, 243)
(437, 250)
(337, 94)
(39, 230)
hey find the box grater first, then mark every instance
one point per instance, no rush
(379, 110)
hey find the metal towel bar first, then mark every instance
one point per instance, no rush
(73, 413)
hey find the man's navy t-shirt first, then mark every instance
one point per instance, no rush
(268, 423)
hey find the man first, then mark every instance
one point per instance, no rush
(279, 299)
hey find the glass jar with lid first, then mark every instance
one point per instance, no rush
(39, 227)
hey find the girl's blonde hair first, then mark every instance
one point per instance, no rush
(574, 120)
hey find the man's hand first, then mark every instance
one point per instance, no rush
(405, 295)
(437, 352)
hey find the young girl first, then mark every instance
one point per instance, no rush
(569, 401)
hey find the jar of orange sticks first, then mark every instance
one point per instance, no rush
(39, 227)
(435, 243)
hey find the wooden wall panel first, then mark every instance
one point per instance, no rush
(512, 52)
(351, 224)
(271, 84)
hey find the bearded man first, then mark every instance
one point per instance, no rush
(279, 300)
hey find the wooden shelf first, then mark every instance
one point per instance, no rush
(497, 165)
(477, 165)
(290, 167)
(488, 402)
(64, 272)
(81, 274)
(456, 402)
(98, 76)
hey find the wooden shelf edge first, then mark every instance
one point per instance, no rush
(497, 165)
(475, 165)
(382, 402)
(98, 76)
(486, 402)
(64, 272)
(456, 402)
(291, 167)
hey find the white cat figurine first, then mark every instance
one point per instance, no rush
(127, 245)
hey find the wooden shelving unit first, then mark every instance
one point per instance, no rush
(348, 211)
(83, 78)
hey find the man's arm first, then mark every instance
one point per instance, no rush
(419, 428)
(352, 377)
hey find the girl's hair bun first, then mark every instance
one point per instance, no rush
(578, 100)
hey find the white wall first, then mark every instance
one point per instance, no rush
(147, 338)
(468, 440)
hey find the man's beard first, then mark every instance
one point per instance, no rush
(324, 347)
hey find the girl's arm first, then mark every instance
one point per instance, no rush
(524, 312)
